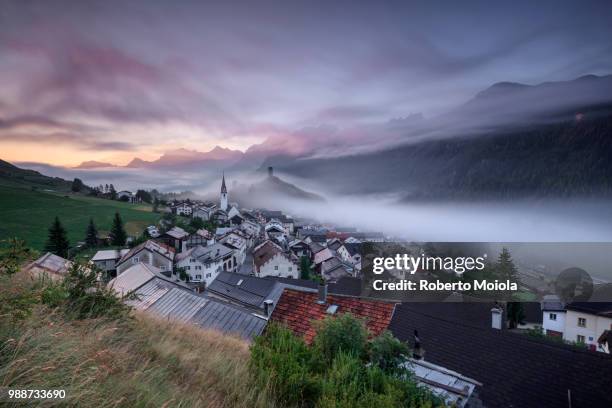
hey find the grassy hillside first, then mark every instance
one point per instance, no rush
(139, 362)
(28, 214)
(13, 176)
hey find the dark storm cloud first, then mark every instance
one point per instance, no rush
(235, 71)
(82, 141)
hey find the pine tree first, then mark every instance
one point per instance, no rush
(505, 266)
(57, 242)
(112, 192)
(91, 235)
(118, 235)
(516, 313)
(304, 268)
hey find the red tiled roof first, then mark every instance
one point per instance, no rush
(298, 310)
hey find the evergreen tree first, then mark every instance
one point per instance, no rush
(57, 242)
(515, 313)
(155, 205)
(118, 235)
(91, 235)
(77, 185)
(505, 266)
(112, 192)
(304, 268)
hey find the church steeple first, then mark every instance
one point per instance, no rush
(223, 197)
(223, 188)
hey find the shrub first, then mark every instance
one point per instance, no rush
(280, 362)
(388, 353)
(341, 369)
(86, 297)
(340, 334)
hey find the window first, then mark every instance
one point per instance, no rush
(163, 267)
(191, 260)
(198, 277)
(188, 268)
(580, 339)
(208, 275)
(552, 316)
(135, 259)
(290, 269)
(276, 268)
(582, 322)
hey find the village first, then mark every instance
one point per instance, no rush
(259, 266)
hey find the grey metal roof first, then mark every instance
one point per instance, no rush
(220, 316)
(247, 290)
(178, 304)
(150, 293)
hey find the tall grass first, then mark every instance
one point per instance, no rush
(134, 362)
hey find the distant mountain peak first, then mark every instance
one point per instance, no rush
(93, 164)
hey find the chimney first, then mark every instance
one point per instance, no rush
(268, 303)
(418, 353)
(496, 317)
(270, 171)
(322, 293)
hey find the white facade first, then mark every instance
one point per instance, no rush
(183, 209)
(199, 271)
(585, 328)
(553, 322)
(279, 265)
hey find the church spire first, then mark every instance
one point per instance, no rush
(223, 188)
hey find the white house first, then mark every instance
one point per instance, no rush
(106, 260)
(351, 253)
(126, 196)
(251, 227)
(203, 264)
(553, 316)
(274, 229)
(182, 209)
(151, 253)
(269, 259)
(238, 243)
(585, 322)
(204, 212)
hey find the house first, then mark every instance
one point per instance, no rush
(334, 269)
(203, 264)
(219, 216)
(515, 370)
(50, 266)
(299, 310)
(201, 237)
(334, 244)
(204, 212)
(259, 294)
(585, 322)
(351, 253)
(238, 244)
(251, 227)
(553, 316)
(176, 238)
(106, 260)
(321, 256)
(287, 223)
(274, 229)
(269, 259)
(300, 248)
(151, 253)
(183, 209)
(173, 301)
(310, 236)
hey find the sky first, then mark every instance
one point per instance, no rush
(111, 80)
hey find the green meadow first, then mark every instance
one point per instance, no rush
(27, 214)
